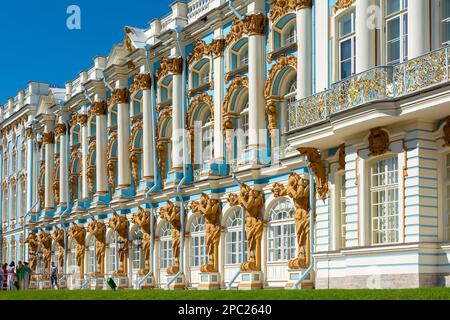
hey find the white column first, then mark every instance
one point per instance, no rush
(177, 143)
(84, 153)
(147, 141)
(31, 168)
(102, 141)
(418, 28)
(63, 167)
(365, 49)
(256, 82)
(218, 67)
(304, 40)
(123, 119)
(49, 141)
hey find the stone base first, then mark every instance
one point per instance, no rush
(97, 283)
(295, 275)
(76, 283)
(179, 284)
(149, 283)
(121, 282)
(251, 280)
(33, 285)
(209, 281)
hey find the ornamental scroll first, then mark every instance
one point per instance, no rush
(142, 219)
(171, 213)
(211, 210)
(98, 230)
(298, 190)
(120, 225)
(78, 234)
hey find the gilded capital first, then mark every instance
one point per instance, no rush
(255, 24)
(119, 96)
(82, 119)
(141, 82)
(98, 108)
(30, 134)
(48, 138)
(343, 4)
(60, 129)
(170, 66)
(283, 7)
(217, 47)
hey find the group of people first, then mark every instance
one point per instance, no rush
(14, 277)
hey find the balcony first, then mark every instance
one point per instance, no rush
(385, 83)
(197, 8)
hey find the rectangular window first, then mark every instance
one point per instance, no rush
(445, 10)
(396, 31)
(347, 47)
(342, 218)
(384, 189)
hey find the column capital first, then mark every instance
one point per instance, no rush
(82, 119)
(48, 138)
(99, 108)
(343, 4)
(141, 81)
(217, 47)
(60, 130)
(282, 7)
(29, 132)
(170, 66)
(255, 24)
(119, 96)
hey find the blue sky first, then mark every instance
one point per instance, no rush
(38, 46)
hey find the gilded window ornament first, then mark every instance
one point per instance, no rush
(203, 98)
(272, 116)
(60, 130)
(82, 120)
(78, 234)
(98, 109)
(217, 47)
(48, 138)
(171, 213)
(29, 132)
(33, 243)
(378, 142)
(98, 230)
(316, 164)
(343, 4)
(238, 83)
(141, 82)
(211, 210)
(142, 219)
(283, 7)
(255, 24)
(282, 62)
(170, 66)
(120, 225)
(236, 33)
(200, 50)
(119, 96)
(45, 240)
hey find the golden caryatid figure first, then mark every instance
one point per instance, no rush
(58, 237)
(252, 201)
(298, 190)
(142, 219)
(98, 230)
(212, 210)
(33, 243)
(78, 234)
(171, 213)
(120, 225)
(45, 240)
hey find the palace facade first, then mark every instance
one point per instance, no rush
(244, 144)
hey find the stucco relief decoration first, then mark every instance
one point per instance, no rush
(252, 201)
(98, 230)
(255, 24)
(298, 190)
(98, 109)
(41, 188)
(200, 50)
(211, 210)
(316, 164)
(170, 66)
(236, 33)
(119, 96)
(48, 138)
(198, 100)
(238, 83)
(447, 133)
(171, 213)
(283, 7)
(58, 237)
(33, 243)
(127, 41)
(217, 47)
(60, 130)
(343, 4)
(142, 219)
(378, 142)
(56, 181)
(78, 234)
(272, 116)
(141, 82)
(82, 120)
(120, 225)
(283, 62)
(45, 239)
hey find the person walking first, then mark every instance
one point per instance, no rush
(11, 275)
(54, 275)
(28, 273)
(4, 283)
(20, 271)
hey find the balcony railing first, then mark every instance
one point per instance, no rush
(377, 84)
(197, 8)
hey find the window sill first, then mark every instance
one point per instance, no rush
(233, 73)
(278, 52)
(200, 89)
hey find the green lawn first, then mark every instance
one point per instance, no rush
(414, 294)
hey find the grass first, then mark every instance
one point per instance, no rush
(407, 294)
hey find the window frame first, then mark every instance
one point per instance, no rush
(402, 15)
(345, 38)
(197, 248)
(234, 227)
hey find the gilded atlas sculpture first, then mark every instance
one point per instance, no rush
(211, 210)
(45, 240)
(120, 225)
(298, 191)
(252, 201)
(33, 243)
(58, 237)
(98, 230)
(78, 234)
(171, 213)
(142, 219)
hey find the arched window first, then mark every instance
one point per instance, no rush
(111, 253)
(207, 137)
(40, 260)
(76, 135)
(234, 237)
(91, 255)
(281, 239)
(165, 245)
(5, 203)
(384, 201)
(201, 73)
(243, 58)
(137, 253)
(292, 92)
(238, 55)
(13, 214)
(244, 127)
(290, 34)
(72, 257)
(23, 199)
(198, 247)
